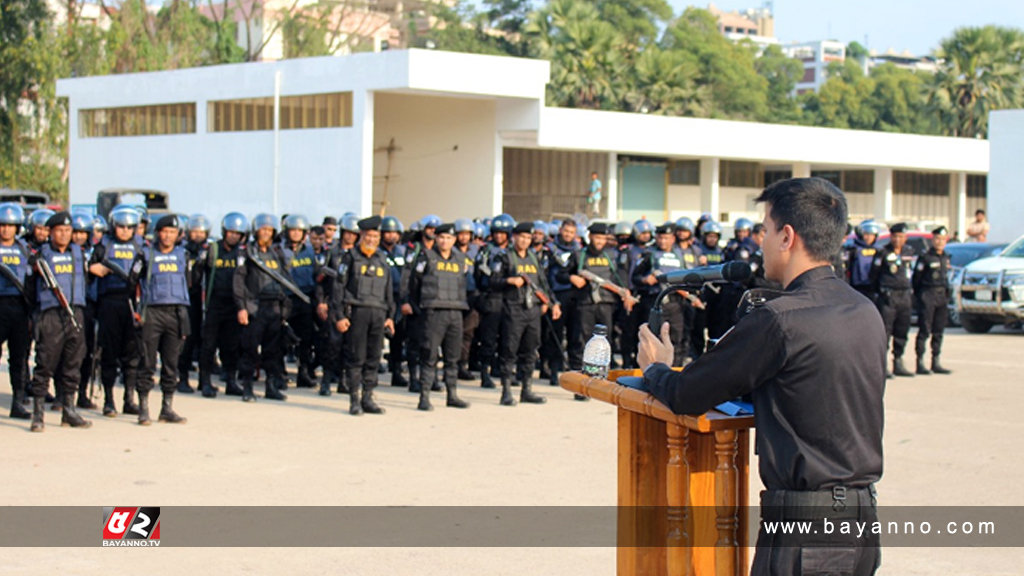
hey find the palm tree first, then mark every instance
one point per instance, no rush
(664, 82)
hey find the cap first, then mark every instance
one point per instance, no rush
(598, 228)
(940, 231)
(523, 228)
(666, 228)
(445, 229)
(898, 228)
(61, 218)
(329, 221)
(168, 221)
(371, 223)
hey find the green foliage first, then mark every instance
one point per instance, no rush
(781, 73)
(637, 21)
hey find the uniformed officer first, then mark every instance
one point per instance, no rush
(36, 232)
(304, 270)
(197, 245)
(628, 258)
(891, 272)
(165, 295)
(14, 305)
(362, 302)
(59, 318)
(664, 257)
(116, 263)
(525, 289)
(623, 234)
(330, 226)
(81, 234)
(437, 285)
(415, 333)
(568, 327)
(492, 290)
(931, 295)
(465, 232)
(349, 232)
(859, 259)
(99, 228)
(741, 231)
(391, 230)
(716, 318)
(221, 329)
(263, 306)
(817, 390)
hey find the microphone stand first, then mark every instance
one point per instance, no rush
(655, 318)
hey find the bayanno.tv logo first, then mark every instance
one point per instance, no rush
(131, 526)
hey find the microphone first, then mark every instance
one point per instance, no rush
(728, 272)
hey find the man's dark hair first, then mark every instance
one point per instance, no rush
(816, 210)
(977, 212)
(757, 229)
(568, 222)
(318, 230)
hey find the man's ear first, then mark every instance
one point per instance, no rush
(788, 238)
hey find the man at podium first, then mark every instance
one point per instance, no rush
(813, 358)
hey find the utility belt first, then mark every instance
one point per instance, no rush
(886, 290)
(838, 502)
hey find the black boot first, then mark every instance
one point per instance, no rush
(231, 387)
(453, 398)
(527, 395)
(436, 386)
(921, 368)
(280, 382)
(167, 413)
(247, 395)
(937, 366)
(343, 386)
(304, 380)
(424, 400)
(355, 403)
(183, 386)
(545, 368)
(144, 419)
(580, 397)
(17, 408)
(37, 415)
(206, 386)
(69, 417)
(369, 406)
(485, 379)
(464, 373)
(109, 409)
(58, 402)
(899, 369)
(325, 383)
(506, 393)
(84, 402)
(398, 380)
(271, 391)
(414, 378)
(555, 371)
(130, 407)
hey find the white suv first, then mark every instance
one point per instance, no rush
(990, 291)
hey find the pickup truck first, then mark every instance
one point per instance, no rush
(990, 291)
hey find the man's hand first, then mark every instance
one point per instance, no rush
(556, 312)
(578, 281)
(343, 325)
(407, 310)
(653, 350)
(99, 270)
(243, 317)
(516, 281)
(389, 324)
(321, 312)
(650, 280)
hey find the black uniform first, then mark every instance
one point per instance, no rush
(568, 327)
(931, 294)
(197, 252)
(166, 325)
(220, 326)
(304, 269)
(415, 327)
(655, 261)
(817, 393)
(492, 289)
(268, 307)
(14, 320)
(396, 348)
(596, 304)
(891, 274)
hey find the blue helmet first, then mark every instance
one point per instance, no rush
(39, 218)
(553, 229)
(743, 224)
(540, 226)
(143, 213)
(430, 221)
(463, 225)
(81, 222)
(234, 222)
(125, 216)
(184, 221)
(99, 224)
(685, 223)
(642, 226)
(350, 223)
(199, 222)
(503, 223)
(416, 226)
(264, 220)
(479, 230)
(486, 222)
(868, 227)
(11, 213)
(296, 222)
(624, 228)
(391, 224)
(711, 227)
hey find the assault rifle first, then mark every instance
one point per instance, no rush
(694, 301)
(131, 278)
(276, 276)
(596, 281)
(50, 281)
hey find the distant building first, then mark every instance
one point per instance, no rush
(904, 60)
(754, 24)
(816, 56)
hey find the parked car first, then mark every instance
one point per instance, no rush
(960, 255)
(990, 291)
(29, 200)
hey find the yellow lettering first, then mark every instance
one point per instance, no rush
(272, 264)
(448, 267)
(296, 262)
(124, 254)
(63, 269)
(168, 267)
(526, 269)
(12, 260)
(597, 262)
(380, 272)
(363, 269)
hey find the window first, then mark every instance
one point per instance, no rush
(773, 176)
(833, 176)
(684, 172)
(307, 111)
(977, 186)
(159, 120)
(740, 174)
(808, 75)
(920, 183)
(858, 181)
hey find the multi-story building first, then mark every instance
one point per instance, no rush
(816, 56)
(904, 60)
(754, 24)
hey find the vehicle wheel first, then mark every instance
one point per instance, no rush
(954, 317)
(975, 324)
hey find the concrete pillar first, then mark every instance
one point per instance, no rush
(710, 200)
(883, 194)
(611, 187)
(801, 169)
(958, 189)
(498, 192)
(362, 115)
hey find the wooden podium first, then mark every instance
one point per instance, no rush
(691, 475)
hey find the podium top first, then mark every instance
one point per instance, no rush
(646, 404)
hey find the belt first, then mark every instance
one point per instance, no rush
(839, 502)
(886, 289)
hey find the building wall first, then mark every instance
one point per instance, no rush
(540, 184)
(1006, 177)
(446, 161)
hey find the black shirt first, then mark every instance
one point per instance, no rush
(814, 361)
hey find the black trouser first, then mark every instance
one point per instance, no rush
(490, 328)
(58, 344)
(568, 329)
(722, 313)
(220, 331)
(164, 332)
(363, 346)
(89, 330)
(470, 322)
(631, 330)
(444, 331)
(301, 321)
(591, 315)
(415, 335)
(895, 307)
(193, 342)
(121, 342)
(520, 338)
(932, 315)
(262, 342)
(14, 331)
(396, 346)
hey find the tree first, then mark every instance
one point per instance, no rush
(781, 73)
(462, 29)
(980, 71)
(898, 99)
(638, 21)
(842, 101)
(665, 83)
(509, 17)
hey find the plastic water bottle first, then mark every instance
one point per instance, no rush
(598, 353)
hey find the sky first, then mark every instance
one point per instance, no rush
(915, 25)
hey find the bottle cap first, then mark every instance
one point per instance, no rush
(600, 330)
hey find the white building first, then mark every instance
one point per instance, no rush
(816, 56)
(1006, 198)
(471, 137)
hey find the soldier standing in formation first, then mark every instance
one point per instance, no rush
(14, 303)
(931, 294)
(891, 272)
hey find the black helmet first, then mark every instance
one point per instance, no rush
(234, 222)
(11, 213)
(391, 224)
(81, 222)
(503, 223)
(264, 220)
(296, 222)
(125, 216)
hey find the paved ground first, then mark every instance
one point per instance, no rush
(948, 440)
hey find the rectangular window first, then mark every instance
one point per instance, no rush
(297, 112)
(920, 183)
(773, 176)
(808, 75)
(740, 174)
(858, 181)
(684, 172)
(158, 120)
(833, 176)
(977, 186)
